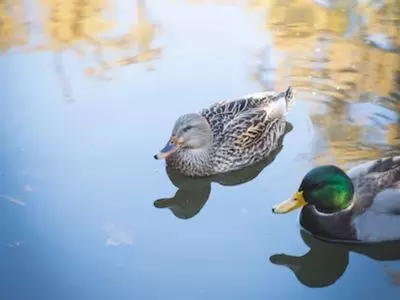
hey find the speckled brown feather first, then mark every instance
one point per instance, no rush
(248, 138)
(222, 113)
(244, 132)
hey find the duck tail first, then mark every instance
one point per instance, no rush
(281, 104)
(289, 97)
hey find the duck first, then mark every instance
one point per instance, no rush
(361, 205)
(193, 193)
(228, 135)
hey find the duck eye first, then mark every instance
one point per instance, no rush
(187, 128)
(318, 185)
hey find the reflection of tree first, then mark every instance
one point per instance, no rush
(140, 38)
(80, 26)
(62, 76)
(67, 23)
(13, 31)
(72, 24)
(297, 19)
(319, 56)
(216, 1)
(327, 59)
(384, 20)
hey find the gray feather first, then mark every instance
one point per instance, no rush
(375, 215)
(377, 209)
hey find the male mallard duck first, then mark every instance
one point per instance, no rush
(228, 135)
(362, 205)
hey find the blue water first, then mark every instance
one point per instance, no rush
(87, 213)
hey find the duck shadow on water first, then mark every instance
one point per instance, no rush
(326, 262)
(193, 193)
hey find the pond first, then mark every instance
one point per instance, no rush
(90, 92)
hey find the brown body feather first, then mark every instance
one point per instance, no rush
(243, 131)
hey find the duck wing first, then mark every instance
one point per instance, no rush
(375, 177)
(249, 137)
(377, 210)
(222, 113)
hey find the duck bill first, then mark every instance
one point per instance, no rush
(296, 202)
(166, 151)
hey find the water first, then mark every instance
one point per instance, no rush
(90, 94)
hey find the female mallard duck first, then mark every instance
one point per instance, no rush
(362, 205)
(228, 135)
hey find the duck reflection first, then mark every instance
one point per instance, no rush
(193, 193)
(325, 263)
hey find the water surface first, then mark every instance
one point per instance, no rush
(90, 91)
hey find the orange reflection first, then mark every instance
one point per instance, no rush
(13, 30)
(334, 62)
(138, 39)
(81, 26)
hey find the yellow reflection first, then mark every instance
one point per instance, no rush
(138, 39)
(302, 18)
(384, 20)
(66, 23)
(81, 26)
(308, 34)
(393, 134)
(226, 2)
(327, 58)
(13, 31)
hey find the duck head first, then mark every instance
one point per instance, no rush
(327, 188)
(190, 132)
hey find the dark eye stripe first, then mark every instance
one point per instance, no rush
(187, 128)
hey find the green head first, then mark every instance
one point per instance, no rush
(328, 188)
